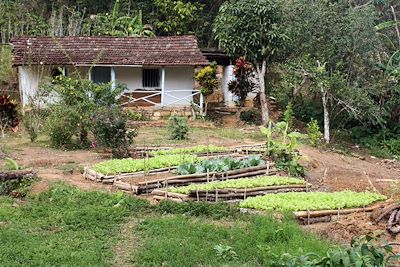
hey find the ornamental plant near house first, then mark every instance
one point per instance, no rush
(243, 83)
(208, 80)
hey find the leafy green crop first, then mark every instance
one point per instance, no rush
(116, 166)
(193, 150)
(301, 201)
(261, 181)
(219, 165)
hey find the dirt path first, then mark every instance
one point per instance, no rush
(333, 172)
(56, 165)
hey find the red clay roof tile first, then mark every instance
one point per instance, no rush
(105, 50)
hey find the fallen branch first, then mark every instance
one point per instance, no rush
(14, 175)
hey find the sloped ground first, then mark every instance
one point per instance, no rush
(328, 171)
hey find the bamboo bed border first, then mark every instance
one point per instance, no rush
(321, 216)
(144, 187)
(226, 194)
(93, 175)
(180, 180)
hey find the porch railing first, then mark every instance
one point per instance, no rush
(167, 93)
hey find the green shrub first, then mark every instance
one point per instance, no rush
(288, 116)
(16, 187)
(111, 131)
(136, 115)
(365, 251)
(79, 96)
(251, 117)
(282, 147)
(61, 125)
(214, 210)
(8, 114)
(314, 133)
(178, 127)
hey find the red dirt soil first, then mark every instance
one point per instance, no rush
(327, 171)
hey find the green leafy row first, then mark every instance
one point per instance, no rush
(301, 201)
(261, 181)
(219, 165)
(117, 166)
(194, 150)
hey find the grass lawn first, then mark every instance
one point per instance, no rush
(69, 227)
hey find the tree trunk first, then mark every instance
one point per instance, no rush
(396, 25)
(326, 115)
(261, 70)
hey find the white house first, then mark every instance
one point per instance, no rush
(157, 71)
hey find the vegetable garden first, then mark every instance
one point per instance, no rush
(212, 173)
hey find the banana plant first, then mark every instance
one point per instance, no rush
(115, 25)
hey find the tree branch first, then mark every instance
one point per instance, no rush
(396, 25)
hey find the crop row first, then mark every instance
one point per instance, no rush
(117, 166)
(262, 181)
(200, 149)
(219, 165)
(300, 201)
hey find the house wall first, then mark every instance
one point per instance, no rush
(30, 78)
(179, 81)
(131, 77)
(226, 78)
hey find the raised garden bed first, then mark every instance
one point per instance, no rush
(197, 150)
(315, 206)
(112, 170)
(232, 189)
(181, 180)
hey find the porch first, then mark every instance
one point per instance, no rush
(156, 87)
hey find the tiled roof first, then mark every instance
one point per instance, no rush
(104, 50)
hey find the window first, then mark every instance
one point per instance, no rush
(101, 75)
(151, 78)
(55, 72)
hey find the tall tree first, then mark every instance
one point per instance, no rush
(253, 29)
(337, 44)
(175, 17)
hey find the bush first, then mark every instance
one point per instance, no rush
(314, 133)
(251, 117)
(178, 127)
(282, 147)
(81, 96)
(8, 114)
(110, 131)
(208, 80)
(35, 115)
(288, 116)
(365, 251)
(136, 116)
(62, 124)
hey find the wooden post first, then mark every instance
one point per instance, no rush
(162, 86)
